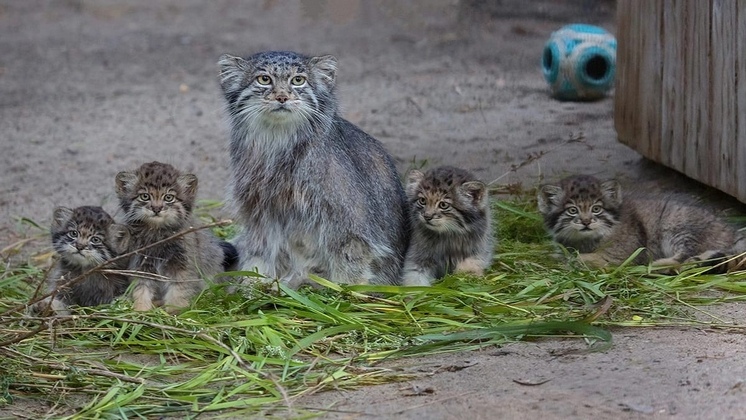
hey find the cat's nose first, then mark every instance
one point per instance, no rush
(281, 98)
(156, 209)
(80, 246)
(428, 216)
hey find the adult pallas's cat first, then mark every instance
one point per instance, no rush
(312, 193)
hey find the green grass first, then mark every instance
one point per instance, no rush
(255, 352)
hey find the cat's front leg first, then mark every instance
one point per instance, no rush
(259, 254)
(142, 295)
(417, 275)
(181, 290)
(60, 308)
(266, 270)
(471, 265)
(350, 261)
(40, 308)
(43, 307)
(670, 264)
(296, 279)
(718, 260)
(593, 260)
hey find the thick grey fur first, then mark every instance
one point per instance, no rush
(455, 238)
(589, 215)
(78, 254)
(186, 262)
(312, 193)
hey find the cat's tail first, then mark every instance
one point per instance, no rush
(230, 256)
(721, 262)
(737, 260)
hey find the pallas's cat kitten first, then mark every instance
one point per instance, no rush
(590, 216)
(84, 238)
(312, 193)
(451, 226)
(157, 201)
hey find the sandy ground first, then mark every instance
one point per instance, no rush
(90, 88)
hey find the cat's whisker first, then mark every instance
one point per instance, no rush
(157, 200)
(590, 216)
(451, 225)
(287, 163)
(95, 233)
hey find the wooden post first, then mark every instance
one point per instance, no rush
(677, 97)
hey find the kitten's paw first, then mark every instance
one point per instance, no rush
(40, 308)
(707, 256)
(142, 298)
(60, 308)
(471, 266)
(179, 294)
(736, 263)
(175, 305)
(666, 262)
(46, 307)
(593, 260)
(142, 306)
(417, 278)
(718, 262)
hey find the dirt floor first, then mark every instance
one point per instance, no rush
(90, 88)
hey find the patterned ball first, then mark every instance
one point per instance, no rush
(579, 62)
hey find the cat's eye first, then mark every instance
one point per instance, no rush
(73, 234)
(263, 79)
(443, 205)
(421, 202)
(144, 197)
(95, 240)
(169, 198)
(298, 81)
(596, 209)
(572, 211)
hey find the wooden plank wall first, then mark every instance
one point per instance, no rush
(677, 97)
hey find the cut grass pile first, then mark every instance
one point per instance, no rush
(255, 351)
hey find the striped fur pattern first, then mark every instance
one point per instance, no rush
(157, 201)
(451, 225)
(580, 211)
(84, 238)
(590, 216)
(311, 192)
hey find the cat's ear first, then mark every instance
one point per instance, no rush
(414, 177)
(188, 184)
(60, 217)
(125, 181)
(550, 196)
(119, 236)
(612, 192)
(477, 191)
(232, 72)
(325, 67)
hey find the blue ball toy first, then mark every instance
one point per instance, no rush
(579, 62)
